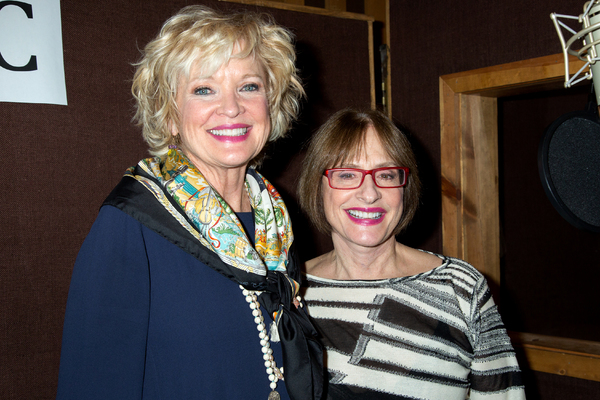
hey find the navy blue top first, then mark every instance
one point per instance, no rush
(146, 320)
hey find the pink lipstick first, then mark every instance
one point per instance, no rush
(366, 216)
(230, 132)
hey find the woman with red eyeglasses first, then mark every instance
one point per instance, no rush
(396, 322)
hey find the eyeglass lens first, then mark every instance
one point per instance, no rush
(351, 178)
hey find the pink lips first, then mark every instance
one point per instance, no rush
(232, 133)
(366, 216)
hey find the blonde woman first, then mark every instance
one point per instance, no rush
(191, 256)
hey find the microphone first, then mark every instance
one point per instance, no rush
(589, 37)
(591, 20)
(569, 153)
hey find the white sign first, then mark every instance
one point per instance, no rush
(31, 54)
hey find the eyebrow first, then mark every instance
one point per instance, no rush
(259, 76)
(201, 78)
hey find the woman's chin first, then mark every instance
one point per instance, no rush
(366, 240)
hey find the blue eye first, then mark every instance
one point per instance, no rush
(251, 87)
(202, 91)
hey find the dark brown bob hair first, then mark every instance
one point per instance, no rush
(340, 140)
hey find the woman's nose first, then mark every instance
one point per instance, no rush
(230, 105)
(368, 191)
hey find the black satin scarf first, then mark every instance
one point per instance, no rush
(302, 352)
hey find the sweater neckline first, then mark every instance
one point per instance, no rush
(345, 282)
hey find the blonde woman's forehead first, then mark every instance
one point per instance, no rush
(247, 67)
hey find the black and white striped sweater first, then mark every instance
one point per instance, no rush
(432, 336)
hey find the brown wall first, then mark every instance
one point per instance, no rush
(549, 268)
(60, 162)
(433, 38)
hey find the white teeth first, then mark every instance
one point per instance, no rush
(365, 215)
(228, 132)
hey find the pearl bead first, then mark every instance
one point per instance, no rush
(270, 365)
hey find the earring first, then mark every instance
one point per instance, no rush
(176, 141)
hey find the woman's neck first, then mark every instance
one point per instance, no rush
(230, 186)
(391, 259)
(349, 261)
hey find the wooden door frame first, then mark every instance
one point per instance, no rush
(470, 191)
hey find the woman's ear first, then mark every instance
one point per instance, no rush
(172, 128)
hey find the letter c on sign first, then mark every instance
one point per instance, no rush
(32, 64)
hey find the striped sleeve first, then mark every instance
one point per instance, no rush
(495, 373)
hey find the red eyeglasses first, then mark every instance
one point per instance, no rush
(352, 178)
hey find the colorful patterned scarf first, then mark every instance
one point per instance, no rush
(189, 211)
(218, 227)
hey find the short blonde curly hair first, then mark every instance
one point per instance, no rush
(198, 35)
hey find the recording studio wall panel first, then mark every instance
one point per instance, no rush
(428, 40)
(60, 162)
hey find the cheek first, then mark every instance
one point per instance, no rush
(333, 200)
(268, 128)
(327, 200)
(266, 114)
(400, 201)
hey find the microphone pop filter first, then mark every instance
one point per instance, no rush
(569, 166)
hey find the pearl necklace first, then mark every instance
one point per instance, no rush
(273, 372)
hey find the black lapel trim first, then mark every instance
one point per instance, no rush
(133, 198)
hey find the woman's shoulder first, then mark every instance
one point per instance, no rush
(318, 265)
(457, 269)
(463, 267)
(419, 261)
(112, 221)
